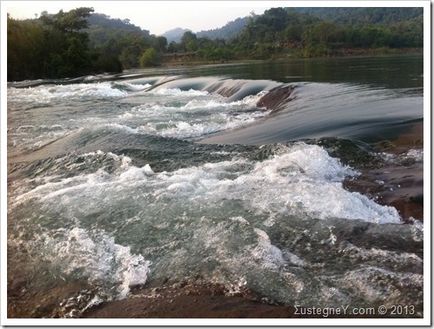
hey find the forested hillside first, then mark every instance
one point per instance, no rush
(340, 15)
(227, 32)
(305, 32)
(287, 28)
(357, 16)
(121, 39)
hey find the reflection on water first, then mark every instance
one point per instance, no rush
(382, 71)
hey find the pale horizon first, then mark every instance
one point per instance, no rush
(156, 17)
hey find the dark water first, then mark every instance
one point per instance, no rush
(117, 181)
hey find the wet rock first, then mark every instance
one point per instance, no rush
(276, 98)
(179, 302)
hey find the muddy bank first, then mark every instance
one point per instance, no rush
(188, 300)
(178, 300)
(204, 300)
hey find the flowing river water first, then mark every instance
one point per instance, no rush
(271, 177)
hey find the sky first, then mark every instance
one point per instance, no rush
(154, 16)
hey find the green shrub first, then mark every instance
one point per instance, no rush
(149, 58)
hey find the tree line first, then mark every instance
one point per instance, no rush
(281, 31)
(78, 42)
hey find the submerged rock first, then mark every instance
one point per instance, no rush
(276, 98)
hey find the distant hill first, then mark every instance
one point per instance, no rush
(175, 34)
(228, 31)
(103, 29)
(362, 15)
(107, 22)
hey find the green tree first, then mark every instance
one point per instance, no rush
(189, 41)
(69, 22)
(25, 45)
(149, 58)
(160, 44)
(49, 47)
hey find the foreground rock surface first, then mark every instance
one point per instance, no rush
(189, 301)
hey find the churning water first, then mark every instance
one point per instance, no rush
(125, 180)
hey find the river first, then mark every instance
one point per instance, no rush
(300, 181)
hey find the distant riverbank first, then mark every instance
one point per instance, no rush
(179, 60)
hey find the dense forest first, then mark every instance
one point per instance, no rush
(309, 32)
(80, 42)
(75, 43)
(303, 34)
(358, 16)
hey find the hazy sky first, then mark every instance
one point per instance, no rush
(155, 16)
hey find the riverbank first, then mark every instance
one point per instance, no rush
(293, 54)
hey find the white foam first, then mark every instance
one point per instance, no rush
(304, 180)
(98, 258)
(132, 86)
(250, 100)
(90, 78)
(134, 173)
(267, 254)
(183, 129)
(53, 187)
(370, 282)
(412, 154)
(178, 92)
(195, 118)
(188, 114)
(45, 94)
(392, 257)
(236, 287)
(119, 126)
(301, 180)
(415, 154)
(211, 102)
